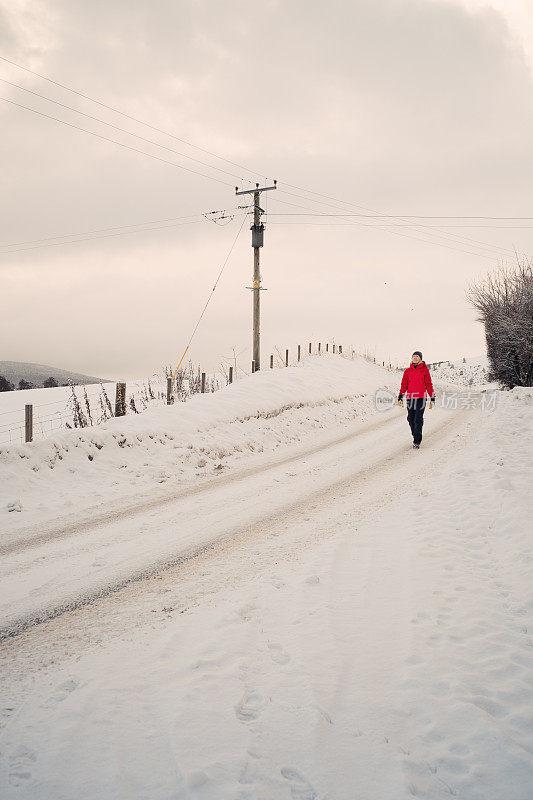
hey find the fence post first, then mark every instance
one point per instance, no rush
(120, 400)
(28, 423)
(286, 358)
(169, 391)
(231, 374)
(327, 347)
(298, 352)
(333, 348)
(309, 348)
(271, 362)
(340, 349)
(203, 382)
(319, 348)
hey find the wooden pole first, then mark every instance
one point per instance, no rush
(340, 349)
(309, 348)
(231, 374)
(327, 347)
(319, 348)
(257, 290)
(286, 358)
(203, 382)
(120, 400)
(271, 362)
(169, 391)
(28, 423)
(298, 352)
(333, 348)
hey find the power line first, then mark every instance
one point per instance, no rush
(115, 141)
(406, 236)
(123, 130)
(432, 232)
(396, 224)
(438, 233)
(100, 230)
(129, 116)
(122, 228)
(94, 238)
(212, 292)
(386, 216)
(442, 234)
(400, 225)
(456, 237)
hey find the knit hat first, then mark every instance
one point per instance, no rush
(418, 353)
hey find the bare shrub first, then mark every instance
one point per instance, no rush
(504, 302)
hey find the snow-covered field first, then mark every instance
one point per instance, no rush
(52, 408)
(265, 593)
(464, 373)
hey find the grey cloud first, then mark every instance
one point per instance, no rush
(420, 107)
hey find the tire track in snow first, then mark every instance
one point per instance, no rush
(390, 470)
(99, 520)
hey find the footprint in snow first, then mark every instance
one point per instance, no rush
(301, 789)
(62, 692)
(21, 763)
(5, 713)
(250, 707)
(278, 654)
(197, 778)
(323, 714)
(246, 612)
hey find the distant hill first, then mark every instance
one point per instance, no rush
(16, 371)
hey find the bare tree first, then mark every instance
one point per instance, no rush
(504, 302)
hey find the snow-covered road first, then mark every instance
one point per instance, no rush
(341, 619)
(45, 572)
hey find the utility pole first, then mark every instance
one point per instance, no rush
(257, 242)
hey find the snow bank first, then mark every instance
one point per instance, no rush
(470, 373)
(186, 441)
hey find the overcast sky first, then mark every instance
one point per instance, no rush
(412, 107)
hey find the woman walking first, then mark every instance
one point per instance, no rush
(416, 383)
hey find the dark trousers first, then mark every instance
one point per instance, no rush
(415, 416)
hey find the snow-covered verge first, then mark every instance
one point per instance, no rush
(469, 373)
(355, 648)
(170, 446)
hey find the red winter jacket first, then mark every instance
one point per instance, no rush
(416, 381)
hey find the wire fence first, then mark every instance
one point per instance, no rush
(90, 405)
(83, 406)
(79, 407)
